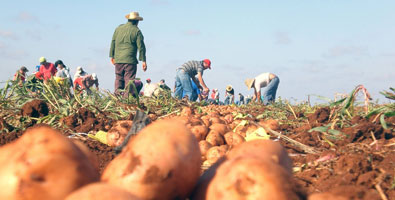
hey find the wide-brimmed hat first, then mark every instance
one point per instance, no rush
(229, 88)
(134, 16)
(249, 82)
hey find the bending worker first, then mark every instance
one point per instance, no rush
(187, 72)
(268, 80)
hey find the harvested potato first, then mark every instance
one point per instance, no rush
(270, 123)
(215, 138)
(206, 120)
(161, 162)
(251, 178)
(183, 119)
(216, 120)
(228, 118)
(220, 128)
(186, 111)
(200, 132)
(264, 150)
(100, 191)
(215, 153)
(204, 147)
(116, 135)
(43, 164)
(233, 139)
(195, 121)
(326, 196)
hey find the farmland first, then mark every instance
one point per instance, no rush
(345, 147)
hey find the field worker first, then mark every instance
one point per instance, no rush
(241, 99)
(63, 73)
(149, 88)
(187, 72)
(229, 95)
(163, 85)
(20, 75)
(85, 82)
(268, 80)
(47, 69)
(79, 73)
(195, 92)
(126, 41)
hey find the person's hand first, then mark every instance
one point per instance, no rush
(144, 66)
(205, 90)
(112, 61)
(200, 87)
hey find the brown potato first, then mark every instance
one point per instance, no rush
(204, 147)
(186, 111)
(183, 119)
(233, 139)
(100, 191)
(161, 162)
(200, 132)
(116, 135)
(220, 128)
(251, 178)
(264, 150)
(215, 138)
(195, 121)
(215, 153)
(43, 164)
(326, 196)
(228, 118)
(270, 123)
(216, 120)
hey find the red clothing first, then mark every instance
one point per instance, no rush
(19, 75)
(48, 70)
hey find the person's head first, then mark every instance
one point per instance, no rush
(240, 94)
(134, 18)
(207, 64)
(148, 80)
(59, 64)
(229, 88)
(79, 70)
(94, 76)
(43, 60)
(23, 69)
(162, 81)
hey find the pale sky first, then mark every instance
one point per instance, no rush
(316, 47)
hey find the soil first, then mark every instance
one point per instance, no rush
(85, 120)
(35, 108)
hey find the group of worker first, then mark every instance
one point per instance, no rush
(58, 71)
(126, 42)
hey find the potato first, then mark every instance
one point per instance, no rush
(228, 118)
(116, 135)
(264, 150)
(270, 123)
(251, 178)
(233, 139)
(216, 120)
(90, 155)
(43, 164)
(100, 191)
(326, 196)
(204, 147)
(195, 121)
(206, 121)
(161, 162)
(215, 153)
(220, 128)
(215, 138)
(200, 132)
(186, 111)
(183, 119)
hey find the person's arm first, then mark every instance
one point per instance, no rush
(142, 50)
(97, 84)
(112, 47)
(201, 81)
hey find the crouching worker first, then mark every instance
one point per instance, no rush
(85, 82)
(269, 81)
(187, 72)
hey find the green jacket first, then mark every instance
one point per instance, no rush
(127, 39)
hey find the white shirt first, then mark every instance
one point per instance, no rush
(149, 89)
(262, 80)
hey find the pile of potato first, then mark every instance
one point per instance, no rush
(162, 162)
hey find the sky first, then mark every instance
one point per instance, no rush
(315, 47)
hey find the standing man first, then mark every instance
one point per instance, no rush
(125, 43)
(188, 71)
(268, 80)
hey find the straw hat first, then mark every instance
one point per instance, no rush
(134, 16)
(249, 82)
(228, 88)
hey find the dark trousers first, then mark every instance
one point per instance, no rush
(123, 74)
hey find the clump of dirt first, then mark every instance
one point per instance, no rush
(6, 138)
(320, 116)
(36, 108)
(5, 127)
(103, 152)
(85, 120)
